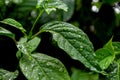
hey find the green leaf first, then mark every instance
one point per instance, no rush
(43, 67)
(116, 46)
(51, 5)
(27, 47)
(82, 75)
(109, 46)
(33, 43)
(105, 55)
(6, 75)
(6, 32)
(13, 23)
(73, 41)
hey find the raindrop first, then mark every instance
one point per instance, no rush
(61, 69)
(81, 48)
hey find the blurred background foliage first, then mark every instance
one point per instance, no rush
(99, 19)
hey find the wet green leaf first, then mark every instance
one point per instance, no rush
(28, 47)
(116, 46)
(43, 67)
(82, 75)
(51, 5)
(105, 55)
(73, 41)
(6, 75)
(34, 43)
(13, 23)
(6, 32)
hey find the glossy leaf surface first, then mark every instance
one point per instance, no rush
(6, 32)
(13, 23)
(34, 43)
(105, 58)
(51, 5)
(28, 47)
(73, 41)
(6, 75)
(43, 67)
(105, 55)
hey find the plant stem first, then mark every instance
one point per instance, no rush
(33, 26)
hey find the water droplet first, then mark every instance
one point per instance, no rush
(61, 69)
(81, 48)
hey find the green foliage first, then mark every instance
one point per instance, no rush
(7, 75)
(104, 63)
(42, 67)
(51, 5)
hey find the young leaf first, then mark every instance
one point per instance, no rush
(28, 47)
(6, 32)
(82, 75)
(105, 55)
(116, 46)
(13, 23)
(34, 43)
(6, 75)
(51, 5)
(73, 41)
(43, 67)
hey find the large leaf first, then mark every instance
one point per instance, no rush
(13, 23)
(6, 32)
(82, 75)
(73, 41)
(6, 75)
(43, 67)
(51, 5)
(116, 47)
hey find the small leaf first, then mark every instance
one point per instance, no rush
(43, 67)
(73, 41)
(13, 23)
(82, 75)
(105, 57)
(116, 46)
(51, 5)
(34, 43)
(28, 47)
(6, 32)
(6, 75)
